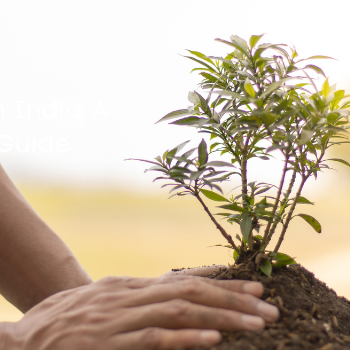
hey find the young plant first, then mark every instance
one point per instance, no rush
(259, 100)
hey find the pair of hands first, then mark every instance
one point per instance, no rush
(122, 313)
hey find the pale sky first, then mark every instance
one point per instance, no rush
(82, 82)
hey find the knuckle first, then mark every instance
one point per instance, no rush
(97, 318)
(178, 308)
(107, 280)
(191, 287)
(103, 298)
(151, 338)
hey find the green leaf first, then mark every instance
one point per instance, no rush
(189, 121)
(235, 255)
(201, 62)
(254, 40)
(274, 86)
(303, 200)
(319, 57)
(170, 155)
(235, 44)
(311, 221)
(214, 196)
(179, 147)
(174, 115)
(233, 207)
(213, 145)
(283, 260)
(263, 190)
(325, 88)
(316, 69)
(201, 55)
(266, 268)
(246, 227)
(248, 87)
(229, 93)
(193, 98)
(305, 136)
(202, 153)
(219, 163)
(203, 104)
(340, 161)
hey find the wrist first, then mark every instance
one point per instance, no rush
(8, 338)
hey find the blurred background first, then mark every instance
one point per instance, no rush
(82, 84)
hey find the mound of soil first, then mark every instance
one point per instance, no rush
(312, 315)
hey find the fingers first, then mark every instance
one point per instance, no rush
(126, 282)
(176, 314)
(199, 292)
(164, 339)
(240, 286)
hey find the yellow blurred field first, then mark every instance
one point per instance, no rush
(115, 233)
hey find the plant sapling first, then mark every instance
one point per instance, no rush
(257, 100)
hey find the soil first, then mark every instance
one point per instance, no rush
(312, 315)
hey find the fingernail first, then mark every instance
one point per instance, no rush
(253, 288)
(253, 322)
(269, 312)
(210, 338)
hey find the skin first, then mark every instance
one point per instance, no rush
(64, 309)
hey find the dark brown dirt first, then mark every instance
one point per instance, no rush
(312, 315)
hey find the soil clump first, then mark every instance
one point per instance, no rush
(312, 316)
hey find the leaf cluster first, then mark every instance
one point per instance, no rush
(257, 100)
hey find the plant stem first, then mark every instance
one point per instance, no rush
(244, 169)
(304, 177)
(218, 226)
(291, 183)
(268, 234)
(289, 216)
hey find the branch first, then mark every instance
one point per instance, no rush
(289, 216)
(218, 226)
(244, 169)
(268, 233)
(290, 213)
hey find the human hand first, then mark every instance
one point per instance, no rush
(122, 313)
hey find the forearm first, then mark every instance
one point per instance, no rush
(34, 262)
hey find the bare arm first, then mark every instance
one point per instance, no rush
(114, 313)
(34, 262)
